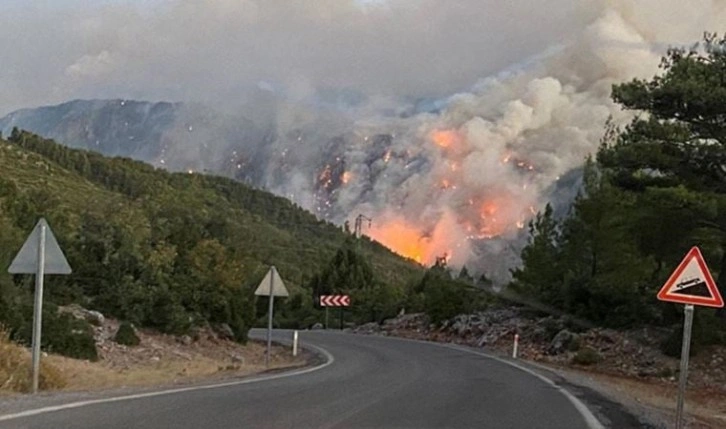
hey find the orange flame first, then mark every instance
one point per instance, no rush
(446, 138)
(346, 177)
(403, 239)
(423, 244)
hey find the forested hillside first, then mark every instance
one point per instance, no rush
(163, 250)
(656, 188)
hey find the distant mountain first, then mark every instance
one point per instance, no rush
(177, 136)
(265, 143)
(113, 127)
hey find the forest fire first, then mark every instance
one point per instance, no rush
(477, 203)
(403, 239)
(446, 139)
(450, 234)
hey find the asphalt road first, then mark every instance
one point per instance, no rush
(372, 382)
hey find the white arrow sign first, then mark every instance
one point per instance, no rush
(39, 255)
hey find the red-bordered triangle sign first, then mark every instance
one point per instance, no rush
(691, 283)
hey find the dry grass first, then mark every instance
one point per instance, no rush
(194, 363)
(84, 375)
(15, 369)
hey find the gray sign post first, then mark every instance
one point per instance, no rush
(271, 286)
(40, 255)
(691, 284)
(685, 351)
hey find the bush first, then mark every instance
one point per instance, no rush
(126, 335)
(586, 356)
(68, 336)
(574, 344)
(444, 298)
(62, 334)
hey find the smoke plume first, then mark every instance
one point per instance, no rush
(350, 103)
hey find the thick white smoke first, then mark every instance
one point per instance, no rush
(436, 176)
(480, 167)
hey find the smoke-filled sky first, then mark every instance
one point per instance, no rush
(218, 49)
(522, 90)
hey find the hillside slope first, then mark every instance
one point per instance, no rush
(164, 250)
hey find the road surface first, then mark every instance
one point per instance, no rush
(372, 382)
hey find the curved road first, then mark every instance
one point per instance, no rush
(373, 382)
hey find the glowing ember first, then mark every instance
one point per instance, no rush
(488, 209)
(446, 138)
(347, 176)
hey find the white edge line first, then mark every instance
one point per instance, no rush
(28, 413)
(590, 419)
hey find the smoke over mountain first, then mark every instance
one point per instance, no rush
(437, 183)
(335, 128)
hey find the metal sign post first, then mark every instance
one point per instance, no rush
(38, 307)
(271, 286)
(39, 255)
(685, 351)
(691, 284)
(270, 309)
(334, 301)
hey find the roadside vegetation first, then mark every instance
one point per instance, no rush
(655, 188)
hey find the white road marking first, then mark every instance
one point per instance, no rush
(590, 419)
(329, 360)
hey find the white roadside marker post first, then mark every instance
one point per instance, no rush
(294, 343)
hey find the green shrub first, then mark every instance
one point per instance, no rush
(62, 334)
(586, 356)
(126, 335)
(575, 344)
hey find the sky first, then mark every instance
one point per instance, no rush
(219, 50)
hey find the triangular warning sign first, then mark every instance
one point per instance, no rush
(26, 261)
(272, 280)
(691, 283)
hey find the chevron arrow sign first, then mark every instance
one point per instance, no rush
(334, 300)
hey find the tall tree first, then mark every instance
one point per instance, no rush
(678, 144)
(540, 274)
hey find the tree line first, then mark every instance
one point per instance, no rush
(656, 187)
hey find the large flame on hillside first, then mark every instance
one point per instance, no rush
(446, 138)
(472, 211)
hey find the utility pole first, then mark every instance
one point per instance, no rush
(359, 224)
